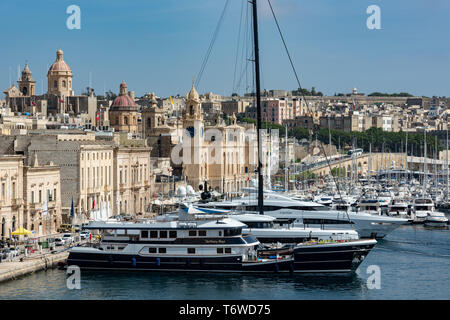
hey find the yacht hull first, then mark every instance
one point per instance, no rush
(339, 258)
(109, 261)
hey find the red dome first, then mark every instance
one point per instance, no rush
(123, 101)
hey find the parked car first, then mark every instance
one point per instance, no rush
(68, 238)
(59, 241)
(9, 253)
(4, 253)
(84, 235)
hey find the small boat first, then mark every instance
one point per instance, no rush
(436, 219)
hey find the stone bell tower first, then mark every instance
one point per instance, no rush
(26, 83)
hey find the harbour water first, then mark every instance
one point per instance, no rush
(414, 263)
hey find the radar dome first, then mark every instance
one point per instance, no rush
(181, 192)
(190, 190)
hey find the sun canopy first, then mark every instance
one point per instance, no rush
(21, 231)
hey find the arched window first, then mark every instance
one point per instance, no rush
(64, 83)
(13, 223)
(3, 228)
(125, 120)
(55, 84)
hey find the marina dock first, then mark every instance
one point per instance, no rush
(14, 269)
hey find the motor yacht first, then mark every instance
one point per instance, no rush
(310, 214)
(187, 244)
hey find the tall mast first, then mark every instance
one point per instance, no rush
(286, 161)
(406, 149)
(425, 162)
(258, 108)
(446, 162)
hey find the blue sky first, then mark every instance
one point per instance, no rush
(159, 45)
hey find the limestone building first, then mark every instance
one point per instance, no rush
(218, 154)
(132, 179)
(41, 185)
(11, 196)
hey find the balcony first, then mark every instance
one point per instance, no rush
(16, 203)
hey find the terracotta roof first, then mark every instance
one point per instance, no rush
(123, 101)
(60, 66)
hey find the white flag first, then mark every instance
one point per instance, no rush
(45, 209)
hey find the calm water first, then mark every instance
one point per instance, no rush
(414, 263)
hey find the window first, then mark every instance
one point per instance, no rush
(163, 234)
(219, 250)
(153, 234)
(202, 233)
(172, 234)
(13, 190)
(232, 232)
(40, 196)
(191, 250)
(32, 196)
(192, 233)
(227, 250)
(161, 250)
(144, 234)
(3, 190)
(151, 250)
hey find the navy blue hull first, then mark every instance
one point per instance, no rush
(136, 262)
(329, 259)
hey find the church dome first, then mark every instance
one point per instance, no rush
(59, 64)
(123, 100)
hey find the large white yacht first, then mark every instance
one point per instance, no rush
(191, 242)
(185, 244)
(310, 214)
